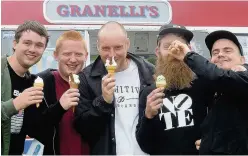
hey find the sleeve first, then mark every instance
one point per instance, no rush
(145, 131)
(92, 113)
(222, 79)
(7, 110)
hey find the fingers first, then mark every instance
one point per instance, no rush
(110, 86)
(155, 91)
(156, 94)
(72, 93)
(35, 102)
(37, 93)
(72, 90)
(107, 81)
(197, 144)
(74, 103)
(198, 147)
(155, 97)
(238, 68)
(33, 98)
(112, 90)
(156, 107)
(31, 89)
(156, 102)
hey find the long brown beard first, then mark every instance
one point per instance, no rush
(177, 74)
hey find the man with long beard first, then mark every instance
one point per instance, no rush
(170, 117)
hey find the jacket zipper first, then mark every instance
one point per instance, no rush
(53, 140)
(54, 132)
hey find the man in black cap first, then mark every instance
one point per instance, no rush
(225, 128)
(170, 116)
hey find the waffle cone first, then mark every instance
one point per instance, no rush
(73, 85)
(161, 84)
(38, 85)
(111, 70)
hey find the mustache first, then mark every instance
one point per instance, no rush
(178, 75)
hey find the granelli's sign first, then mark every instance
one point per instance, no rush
(152, 12)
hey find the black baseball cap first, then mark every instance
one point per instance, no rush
(222, 34)
(177, 29)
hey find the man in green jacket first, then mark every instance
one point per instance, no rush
(17, 93)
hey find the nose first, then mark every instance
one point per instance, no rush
(73, 58)
(111, 53)
(32, 48)
(221, 54)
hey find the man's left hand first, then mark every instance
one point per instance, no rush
(238, 68)
(178, 50)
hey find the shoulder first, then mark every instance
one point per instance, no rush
(87, 70)
(46, 75)
(147, 90)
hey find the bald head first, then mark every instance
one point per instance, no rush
(112, 28)
(113, 43)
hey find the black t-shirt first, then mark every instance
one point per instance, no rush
(18, 134)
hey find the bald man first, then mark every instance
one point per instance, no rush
(107, 113)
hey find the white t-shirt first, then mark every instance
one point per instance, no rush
(127, 110)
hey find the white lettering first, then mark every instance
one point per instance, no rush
(182, 118)
(180, 109)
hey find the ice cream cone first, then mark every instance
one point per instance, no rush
(38, 85)
(160, 82)
(111, 67)
(72, 81)
(75, 86)
(160, 85)
(111, 70)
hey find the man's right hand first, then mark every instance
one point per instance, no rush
(69, 98)
(154, 102)
(28, 97)
(198, 144)
(108, 88)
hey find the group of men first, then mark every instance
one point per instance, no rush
(201, 110)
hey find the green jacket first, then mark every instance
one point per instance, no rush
(7, 107)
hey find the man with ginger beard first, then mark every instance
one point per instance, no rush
(170, 117)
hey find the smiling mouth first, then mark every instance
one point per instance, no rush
(30, 56)
(72, 67)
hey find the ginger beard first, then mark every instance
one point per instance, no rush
(178, 75)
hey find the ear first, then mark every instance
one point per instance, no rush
(242, 59)
(157, 51)
(14, 44)
(86, 56)
(97, 45)
(128, 43)
(190, 47)
(55, 55)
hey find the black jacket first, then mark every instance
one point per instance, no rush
(94, 117)
(176, 127)
(43, 121)
(225, 128)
